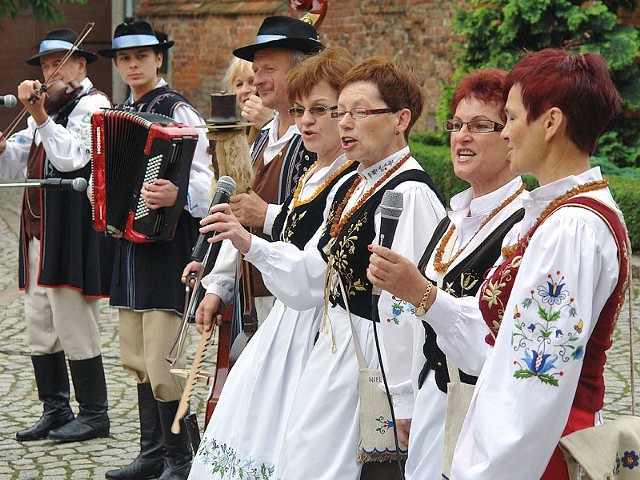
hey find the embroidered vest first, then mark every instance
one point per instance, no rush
(348, 247)
(299, 225)
(497, 290)
(463, 280)
(162, 100)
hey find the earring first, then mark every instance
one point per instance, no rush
(397, 132)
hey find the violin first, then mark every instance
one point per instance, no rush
(58, 94)
(316, 10)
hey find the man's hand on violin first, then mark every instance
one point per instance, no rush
(161, 193)
(249, 209)
(208, 311)
(30, 96)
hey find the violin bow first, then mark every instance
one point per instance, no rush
(6, 133)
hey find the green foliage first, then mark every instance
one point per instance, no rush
(496, 33)
(626, 192)
(44, 10)
(624, 182)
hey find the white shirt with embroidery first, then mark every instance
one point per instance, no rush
(527, 385)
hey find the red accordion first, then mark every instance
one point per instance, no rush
(130, 148)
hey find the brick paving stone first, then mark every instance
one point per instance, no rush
(46, 460)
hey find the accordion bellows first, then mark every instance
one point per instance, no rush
(130, 148)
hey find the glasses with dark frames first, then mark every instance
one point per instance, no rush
(358, 112)
(316, 111)
(474, 126)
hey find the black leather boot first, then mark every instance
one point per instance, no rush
(91, 394)
(150, 461)
(177, 460)
(52, 381)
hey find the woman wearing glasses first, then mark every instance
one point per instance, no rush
(551, 305)
(244, 433)
(377, 106)
(463, 247)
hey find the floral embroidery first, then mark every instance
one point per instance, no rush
(630, 460)
(385, 424)
(541, 340)
(290, 228)
(346, 248)
(373, 173)
(224, 461)
(492, 292)
(398, 308)
(467, 281)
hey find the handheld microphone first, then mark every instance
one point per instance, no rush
(390, 210)
(78, 184)
(226, 188)
(8, 101)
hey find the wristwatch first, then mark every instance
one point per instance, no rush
(422, 308)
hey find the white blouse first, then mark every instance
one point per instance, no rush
(527, 385)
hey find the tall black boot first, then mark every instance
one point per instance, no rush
(91, 394)
(177, 461)
(149, 463)
(52, 381)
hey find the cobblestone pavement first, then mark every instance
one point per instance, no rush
(20, 408)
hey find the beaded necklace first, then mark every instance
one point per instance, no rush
(437, 260)
(338, 223)
(585, 187)
(320, 189)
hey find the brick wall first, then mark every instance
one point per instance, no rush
(416, 32)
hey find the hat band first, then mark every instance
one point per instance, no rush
(131, 41)
(269, 38)
(48, 45)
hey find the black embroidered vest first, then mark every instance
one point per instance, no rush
(304, 220)
(463, 280)
(349, 248)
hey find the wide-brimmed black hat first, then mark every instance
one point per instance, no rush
(60, 40)
(282, 32)
(134, 35)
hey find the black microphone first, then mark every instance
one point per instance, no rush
(8, 101)
(390, 210)
(226, 188)
(78, 184)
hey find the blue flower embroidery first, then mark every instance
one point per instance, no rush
(541, 335)
(397, 309)
(630, 460)
(223, 460)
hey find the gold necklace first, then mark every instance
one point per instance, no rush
(441, 266)
(578, 189)
(320, 189)
(338, 223)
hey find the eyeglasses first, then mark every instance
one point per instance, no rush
(358, 112)
(474, 126)
(317, 111)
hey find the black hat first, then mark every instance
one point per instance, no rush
(60, 40)
(134, 35)
(282, 32)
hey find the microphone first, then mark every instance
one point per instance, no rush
(78, 184)
(390, 210)
(226, 188)
(8, 101)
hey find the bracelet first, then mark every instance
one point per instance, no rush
(422, 308)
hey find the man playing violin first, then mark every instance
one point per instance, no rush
(64, 264)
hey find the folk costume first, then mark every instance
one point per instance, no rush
(64, 265)
(278, 164)
(241, 441)
(146, 287)
(475, 228)
(322, 431)
(551, 307)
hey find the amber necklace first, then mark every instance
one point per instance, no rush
(441, 266)
(296, 195)
(578, 189)
(338, 223)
